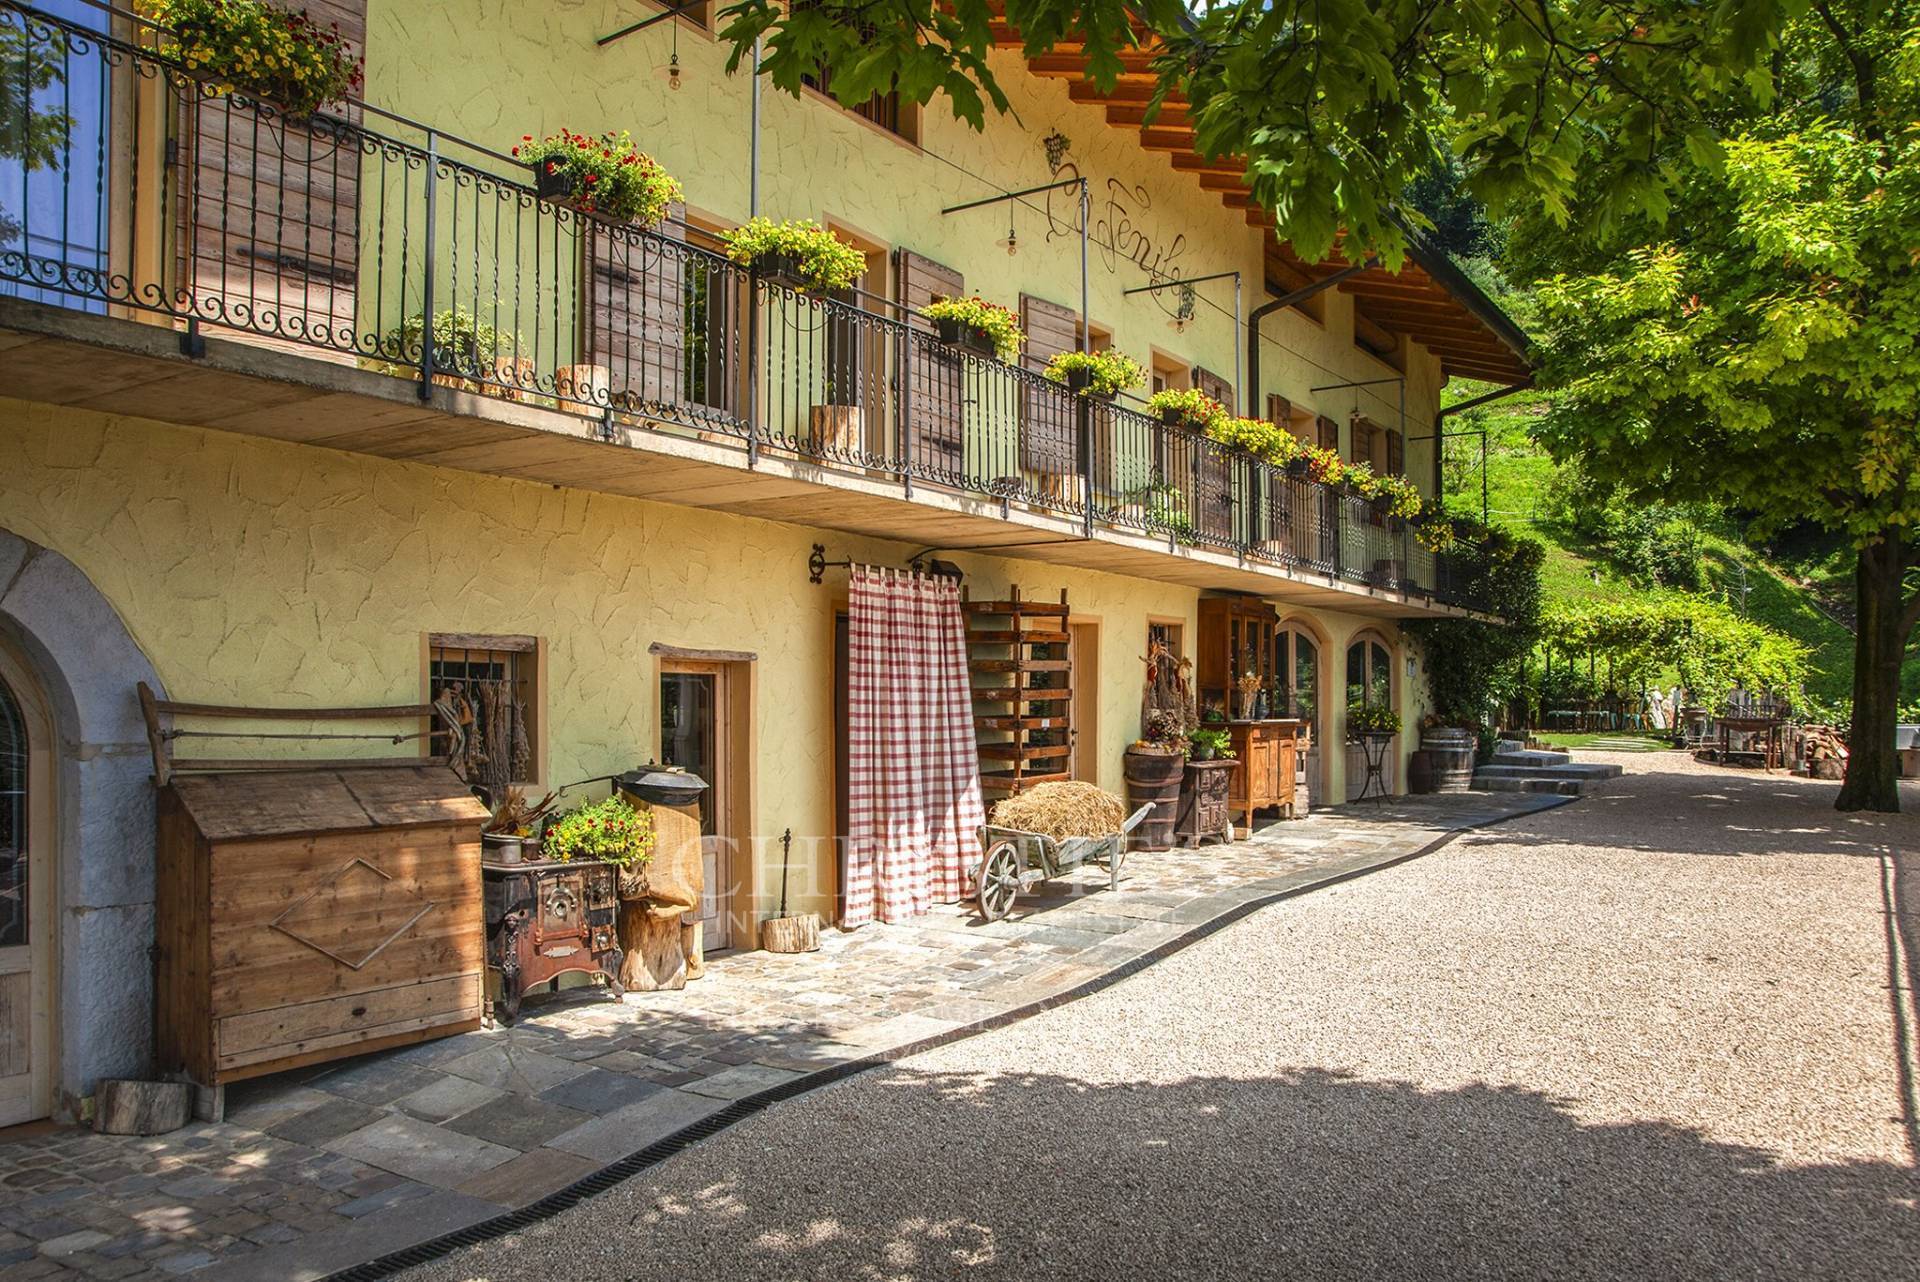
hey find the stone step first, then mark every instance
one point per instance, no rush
(1531, 757)
(1572, 770)
(1508, 783)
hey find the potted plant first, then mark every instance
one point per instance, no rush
(1186, 407)
(1436, 533)
(611, 831)
(1323, 465)
(261, 50)
(1167, 510)
(796, 254)
(606, 176)
(1372, 720)
(1399, 495)
(512, 824)
(466, 350)
(976, 325)
(1360, 482)
(1102, 375)
(1208, 744)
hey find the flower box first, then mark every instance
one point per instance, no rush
(1080, 383)
(968, 338)
(781, 269)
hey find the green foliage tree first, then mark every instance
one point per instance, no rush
(1699, 639)
(1472, 665)
(1337, 105)
(1762, 348)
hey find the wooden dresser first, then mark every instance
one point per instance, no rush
(1268, 752)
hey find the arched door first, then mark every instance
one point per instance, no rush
(1296, 661)
(26, 899)
(1369, 684)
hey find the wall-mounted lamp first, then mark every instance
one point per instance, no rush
(1012, 243)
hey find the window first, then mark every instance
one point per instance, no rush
(491, 687)
(1170, 372)
(1369, 674)
(1165, 633)
(13, 821)
(1378, 447)
(884, 110)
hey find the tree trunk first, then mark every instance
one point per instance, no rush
(1873, 766)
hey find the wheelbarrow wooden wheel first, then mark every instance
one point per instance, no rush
(999, 881)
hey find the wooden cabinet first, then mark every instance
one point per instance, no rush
(1268, 752)
(305, 915)
(1236, 637)
(1206, 802)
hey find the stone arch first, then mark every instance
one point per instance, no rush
(1396, 692)
(87, 664)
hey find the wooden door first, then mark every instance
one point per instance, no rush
(695, 723)
(635, 314)
(267, 211)
(1213, 470)
(26, 898)
(1049, 430)
(1084, 651)
(935, 375)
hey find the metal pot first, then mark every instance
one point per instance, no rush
(661, 785)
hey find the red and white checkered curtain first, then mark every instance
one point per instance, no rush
(913, 770)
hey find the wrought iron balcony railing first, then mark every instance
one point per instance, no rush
(128, 184)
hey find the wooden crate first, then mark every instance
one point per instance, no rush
(306, 915)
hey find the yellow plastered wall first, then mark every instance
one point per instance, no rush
(255, 572)
(493, 71)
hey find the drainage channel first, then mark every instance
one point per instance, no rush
(739, 1110)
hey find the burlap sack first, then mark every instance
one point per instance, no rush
(672, 880)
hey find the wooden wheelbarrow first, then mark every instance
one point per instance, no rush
(1017, 860)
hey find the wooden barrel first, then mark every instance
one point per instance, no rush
(1420, 771)
(1450, 753)
(1154, 777)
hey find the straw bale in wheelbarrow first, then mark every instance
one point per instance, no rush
(1063, 810)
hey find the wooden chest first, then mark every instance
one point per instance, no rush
(545, 920)
(308, 915)
(1267, 751)
(1205, 797)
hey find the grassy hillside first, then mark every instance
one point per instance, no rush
(1801, 600)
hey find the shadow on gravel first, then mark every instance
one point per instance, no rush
(1301, 1176)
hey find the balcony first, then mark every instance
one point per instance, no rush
(200, 257)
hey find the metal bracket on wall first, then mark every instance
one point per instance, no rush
(817, 563)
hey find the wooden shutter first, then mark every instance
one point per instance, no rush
(935, 391)
(1212, 500)
(1396, 454)
(1215, 386)
(1329, 434)
(1048, 432)
(267, 210)
(636, 312)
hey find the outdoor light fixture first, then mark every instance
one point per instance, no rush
(1012, 243)
(671, 71)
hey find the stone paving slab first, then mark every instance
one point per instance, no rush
(319, 1169)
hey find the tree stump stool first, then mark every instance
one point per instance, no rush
(661, 951)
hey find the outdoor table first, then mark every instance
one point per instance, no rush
(1767, 726)
(1374, 748)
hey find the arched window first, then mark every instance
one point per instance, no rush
(13, 821)
(1369, 673)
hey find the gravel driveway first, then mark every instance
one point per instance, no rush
(1653, 1034)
